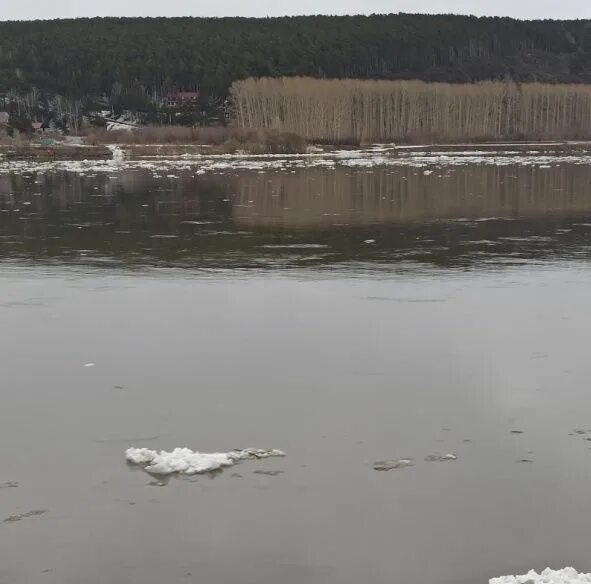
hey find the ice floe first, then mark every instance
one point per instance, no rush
(21, 516)
(548, 576)
(439, 458)
(296, 246)
(190, 462)
(167, 165)
(118, 154)
(385, 465)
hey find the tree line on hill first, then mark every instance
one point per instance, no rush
(131, 60)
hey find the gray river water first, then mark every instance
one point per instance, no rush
(345, 316)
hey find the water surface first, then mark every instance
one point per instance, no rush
(346, 316)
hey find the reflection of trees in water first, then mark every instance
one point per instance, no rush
(238, 219)
(130, 196)
(308, 198)
(56, 214)
(316, 198)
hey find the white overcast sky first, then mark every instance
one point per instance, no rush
(43, 9)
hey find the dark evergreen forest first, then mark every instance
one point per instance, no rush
(141, 56)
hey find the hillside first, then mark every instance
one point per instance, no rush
(78, 58)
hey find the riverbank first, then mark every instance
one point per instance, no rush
(136, 151)
(45, 153)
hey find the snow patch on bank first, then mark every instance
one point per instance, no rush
(566, 576)
(189, 462)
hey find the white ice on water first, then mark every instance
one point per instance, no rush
(118, 154)
(548, 576)
(198, 164)
(189, 462)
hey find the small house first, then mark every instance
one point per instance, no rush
(37, 127)
(182, 99)
(4, 118)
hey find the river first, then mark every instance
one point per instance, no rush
(345, 315)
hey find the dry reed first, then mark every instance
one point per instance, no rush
(267, 141)
(352, 111)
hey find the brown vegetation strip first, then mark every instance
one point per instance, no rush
(356, 111)
(57, 152)
(222, 140)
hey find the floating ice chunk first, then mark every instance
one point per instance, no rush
(296, 246)
(21, 516)
(439, 458)
(140, 455)
(548, 576)
(385, 465)
(197, 222)
(118, 154)
(190, 462)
